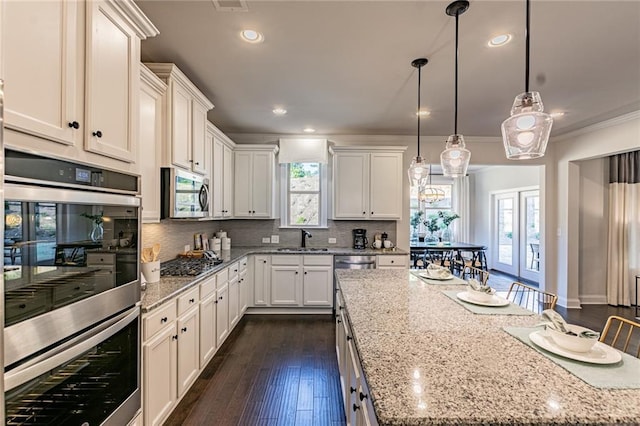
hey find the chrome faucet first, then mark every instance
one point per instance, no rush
(303, 242)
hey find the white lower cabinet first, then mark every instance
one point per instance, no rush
(261, 279)
(301, 280)
(357, 403)
(188, 349)
(222, 314)
(245, 290)
(160, 375)
(234, 301)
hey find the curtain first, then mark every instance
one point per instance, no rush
(461, 227)
(623, 248)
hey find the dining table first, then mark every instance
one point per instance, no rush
(419, 248)
(429, 357)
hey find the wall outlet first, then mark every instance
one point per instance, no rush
(332, 240)
(275, 239)
(187, 248)
(266, 240)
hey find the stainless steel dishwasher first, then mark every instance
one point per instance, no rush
(354, 262)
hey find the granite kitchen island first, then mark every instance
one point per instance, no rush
(425, 359)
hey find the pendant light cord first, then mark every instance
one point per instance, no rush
(419, 76)
(526, 37)
(455, 120)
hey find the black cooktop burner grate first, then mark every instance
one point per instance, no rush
(187, 267)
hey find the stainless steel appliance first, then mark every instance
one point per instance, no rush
(354, 262)
(359, 238)
(184, 194)
(60, 276)
(1, 244)
(188, 267)
(92, 379)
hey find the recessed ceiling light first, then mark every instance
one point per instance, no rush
(279, 111)
(251, 36)
(500, 40)
(423, 113)
(309, 130)
(557, 114)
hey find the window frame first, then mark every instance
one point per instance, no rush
(285, 197)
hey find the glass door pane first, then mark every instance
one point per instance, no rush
(530, 247)
(505, 240)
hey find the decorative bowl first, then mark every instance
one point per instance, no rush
(573, 343)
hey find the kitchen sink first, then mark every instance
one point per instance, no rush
(297, 249)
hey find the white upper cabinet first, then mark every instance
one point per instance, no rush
(254, 195)
(152, 90)
(186, 120)
(221, 174)
(78, 90)
(367, 182)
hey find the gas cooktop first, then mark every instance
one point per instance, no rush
(188, 267)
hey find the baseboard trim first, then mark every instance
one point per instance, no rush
(593, 299)
(569, 303)
(289, 311)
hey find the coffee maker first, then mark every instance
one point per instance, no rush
(359, 238)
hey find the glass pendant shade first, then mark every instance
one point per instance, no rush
(455, 157)
(418, 172)
(525, 134)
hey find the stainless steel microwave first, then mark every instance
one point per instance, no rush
(184, 194)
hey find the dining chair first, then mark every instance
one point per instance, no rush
(624, 328)
(477, 273)
(531, 298)
(535, 256)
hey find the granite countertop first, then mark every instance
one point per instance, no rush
(428, 360)
(155, 294)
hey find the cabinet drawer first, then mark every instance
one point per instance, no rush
(188, 300)
(243, 264)
(222, 278)
(207, 288)
(393, 260)
(101, 259)
(234, 268)
(157, 320)
(285, 260)
(311, 260)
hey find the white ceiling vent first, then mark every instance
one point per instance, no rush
(230, 5)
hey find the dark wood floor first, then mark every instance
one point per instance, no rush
(282, 370)
(272, 370)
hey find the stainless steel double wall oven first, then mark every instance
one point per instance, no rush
(72, 292)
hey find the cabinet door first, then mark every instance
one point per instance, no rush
(44, 89)
(261, 184)
(350, 185)
(242, 203)
(317, 286)
(222, 314)
(149, 145)
(188, 349)
(227, 190)
(160, 376)
(199, 135)
(244, 291)
(180, 126)
(234, 301)
(285, 288)
(111, 83)
(385, 199)
(261, 280)
(217, 177)
(208, 338)
(354, 403)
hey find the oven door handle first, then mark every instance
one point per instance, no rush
(70, 350)
(203, 197)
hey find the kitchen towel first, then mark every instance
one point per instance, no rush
(510, 309)
(622, 375)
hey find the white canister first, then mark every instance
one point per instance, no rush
(226, 243)
(221, 234)
(216, 245)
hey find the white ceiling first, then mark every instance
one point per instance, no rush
(344, 67)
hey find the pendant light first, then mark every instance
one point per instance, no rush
(430, 194)
(455, 157)
(418, 171)
(525, 134)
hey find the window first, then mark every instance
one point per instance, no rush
(421, 212)
(304, 194)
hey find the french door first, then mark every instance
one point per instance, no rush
(516, 233)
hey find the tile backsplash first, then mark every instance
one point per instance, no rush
(173, 235)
